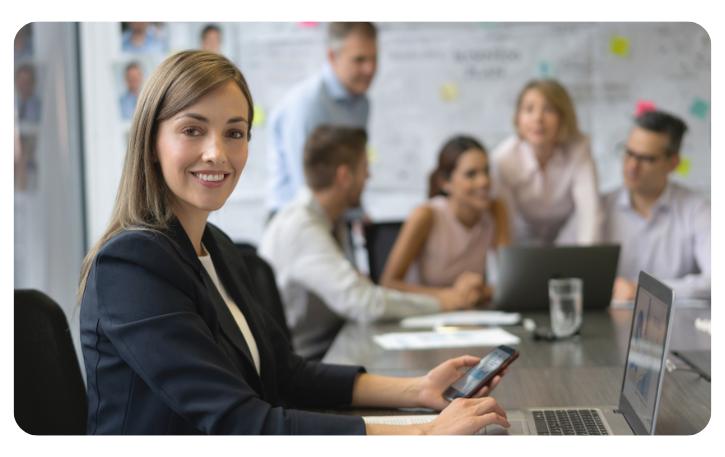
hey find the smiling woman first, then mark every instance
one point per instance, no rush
(173, 338)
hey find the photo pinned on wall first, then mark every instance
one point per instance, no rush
(27, 100)
(130, 74)
(23, 44)
(144, 37)
(25, 165)
(212, 36)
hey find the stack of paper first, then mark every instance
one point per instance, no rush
(434, 340)
(713, 327)
(462, 318)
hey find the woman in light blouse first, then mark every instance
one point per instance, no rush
(443, 246)
(545, 172)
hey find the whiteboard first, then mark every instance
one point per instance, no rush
(436, 80)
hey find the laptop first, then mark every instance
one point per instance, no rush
(639, 396)
(524, 273)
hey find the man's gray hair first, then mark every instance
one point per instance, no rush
(338, 31)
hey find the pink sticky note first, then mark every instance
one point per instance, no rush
(642, 107)
(308, 24)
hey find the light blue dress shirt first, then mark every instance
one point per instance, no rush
(674, 244)
(150, 43)
(128, 105)
(319, 99)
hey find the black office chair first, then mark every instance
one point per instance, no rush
(379, 240)
(246, 248)
(266, 290)
(50, 397)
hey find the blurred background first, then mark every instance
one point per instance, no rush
(76, 86)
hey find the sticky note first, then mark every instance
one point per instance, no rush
(259, 115)
(545, 69)
(372, 154)
(699, 108)
(308, 24)
(487, 25)
(450, 92)
(619, 46)
(642, 107)
(683, 169)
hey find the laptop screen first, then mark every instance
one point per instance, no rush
(645, 359)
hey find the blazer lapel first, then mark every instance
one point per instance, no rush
(226, 320)
(240, 293)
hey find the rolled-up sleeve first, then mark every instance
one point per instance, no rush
(150, 315)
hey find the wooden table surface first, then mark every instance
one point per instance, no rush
(586, 370)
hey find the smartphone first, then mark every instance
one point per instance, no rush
(483, 372)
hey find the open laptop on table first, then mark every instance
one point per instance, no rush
(641, 385)
(524, 273)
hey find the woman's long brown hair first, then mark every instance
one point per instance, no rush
(143, 201)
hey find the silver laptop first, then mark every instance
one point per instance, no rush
(641, 385)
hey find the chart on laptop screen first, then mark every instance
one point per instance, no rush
(645, 355)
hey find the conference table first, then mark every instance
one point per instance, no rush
(585, 370)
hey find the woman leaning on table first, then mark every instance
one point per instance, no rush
(545, 172)
(173, 339)
(443, 246)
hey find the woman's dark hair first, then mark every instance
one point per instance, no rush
(448, 159)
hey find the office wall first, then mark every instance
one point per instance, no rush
(434, 80)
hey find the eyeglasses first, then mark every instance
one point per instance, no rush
(626, 154)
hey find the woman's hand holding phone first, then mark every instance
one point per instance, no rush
(440, 378)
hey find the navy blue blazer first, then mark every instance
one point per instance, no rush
(163, 353)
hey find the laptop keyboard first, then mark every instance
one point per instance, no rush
(569, 422)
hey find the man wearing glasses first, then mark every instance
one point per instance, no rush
(663, 227)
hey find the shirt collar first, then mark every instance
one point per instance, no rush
(664, 201)
(333, 85)
(307, 198)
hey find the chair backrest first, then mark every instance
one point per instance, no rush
(50, 397)
(265, 287)
(379, 240)
(246, 248)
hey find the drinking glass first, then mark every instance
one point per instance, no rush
(565, 305)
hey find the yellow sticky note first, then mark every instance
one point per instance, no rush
(372, 154)
(619, 45)
(450, 92)
(259, 116)
(683, 169)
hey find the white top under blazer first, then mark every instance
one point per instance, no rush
(558, 204)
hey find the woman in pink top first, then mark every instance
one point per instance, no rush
(545, 173)
(442, 248)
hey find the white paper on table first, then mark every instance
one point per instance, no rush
(461, 318)
(399, 420)
(713, 327)
(434, 340)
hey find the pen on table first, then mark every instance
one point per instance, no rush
(456, 328)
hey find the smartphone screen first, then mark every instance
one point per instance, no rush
(481, 373)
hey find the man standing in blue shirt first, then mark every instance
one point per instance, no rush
(335, 95)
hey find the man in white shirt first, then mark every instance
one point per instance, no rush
(304, 241)
(664, 228)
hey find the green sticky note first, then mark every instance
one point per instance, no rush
(259, 115)
(487, 25)
(683, 169)
(449, 92)
(699, 108)
(619, 46)
(545, 69)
